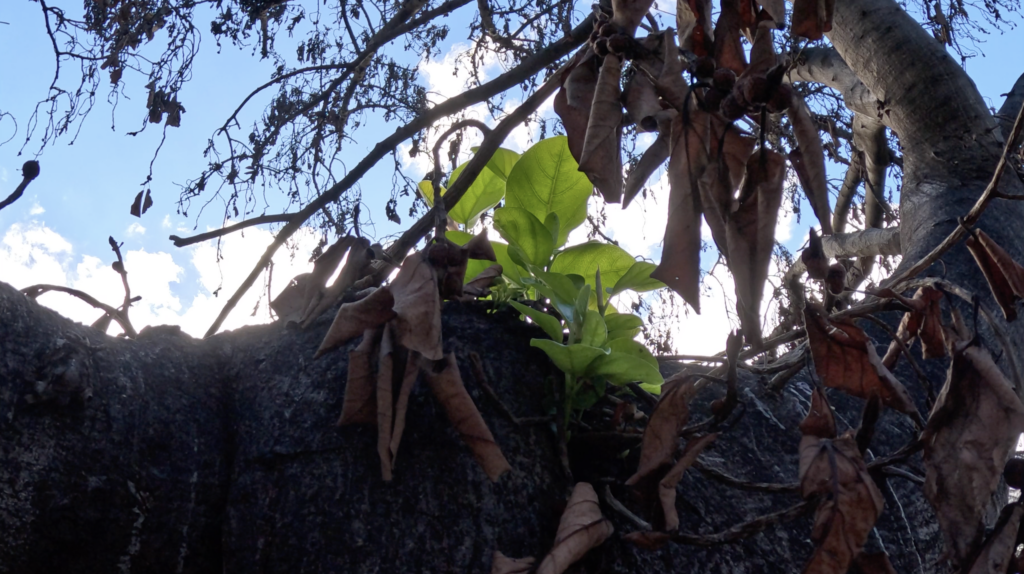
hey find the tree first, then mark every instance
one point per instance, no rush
(163, 452)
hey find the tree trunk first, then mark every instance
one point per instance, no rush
(168, 454)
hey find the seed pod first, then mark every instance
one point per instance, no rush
(835, 281)
(757, 90)
(732, 109)
(780, 101)
(713, 99)
(1014, 473)
(30, 169)
(724, 79)
(704, 67)
(437, 254)
(620, 44)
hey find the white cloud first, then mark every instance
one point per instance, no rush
(166, 223)
(135, 229)
(36, 209)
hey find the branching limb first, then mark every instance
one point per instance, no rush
(826, 66)
(747, 529)
(35, 291)
(199, 238)
(540, 60)
(851, 182)
(29, 171)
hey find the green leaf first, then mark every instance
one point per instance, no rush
(633, 349)
(584, 259)
(582, 304)
(623, 334)
(484, 193)
(551, 325)
(560, 290)
(622, 368)
(521, 228)
(546, 179)
(553, 225)
(620, 321)
(502, 162)
(572, 359)
(509, 269)
(637, 278)
(594, 332)
(427, 191)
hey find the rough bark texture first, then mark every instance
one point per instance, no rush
(222, 456)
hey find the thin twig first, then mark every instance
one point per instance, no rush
(921, 377)
(35, 291)
(276, 218)
(734, 482)
(746, 529)
(613, 502)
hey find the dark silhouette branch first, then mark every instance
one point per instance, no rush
(276, 218)
(35, 291)
(29, 171)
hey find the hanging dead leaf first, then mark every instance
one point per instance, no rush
(924, 320)
(1000, 548)
(385, 401)
(641, 100)
(812, 18)
(581, 528)
(629, 13)
(479, 247)
(478, 286)
(776, 10)
(360, 406)
(602, 149)
(667, 486)
(354, 318)
(820, 421)
(648, 540)
(850, 501)
(809, 161)
(845, 359)
(356, 266)
(650, 161)
(661, 436)
(729, 51)
(573, 101)
(446, 383)
(974, 426)
(750, 234)
(417, 324)
(730, 150)
(410, 367)
(762, 52)
(501, 564)
(291, 301)
(1005, 277)
(680, 259)
(449, 262)
(693, 20)
(814, 258)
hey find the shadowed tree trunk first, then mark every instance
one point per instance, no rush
(168, 454)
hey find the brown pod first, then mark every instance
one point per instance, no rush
(724, 79)
(732, 109)
(781, 99)
(713, 99)
(1014, 473)
(437, 254)
(704, 67)
(757, 90)
(836, 278)
(620, 44)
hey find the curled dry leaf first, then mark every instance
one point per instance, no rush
(776, 10)
(850, 503)
(1001, 546)
(650, 161)
(845, 359)
(417, 322)
(971, 431)
(407, 364)
(641, 100)
(602, 149)
(385, 401)
(750, 234)
(730, 150)
(820, 421)
(360, 406)
(667, 486)
(356, 266)
(479, 247)
(447, 386)
(728, 47)
(762, 50)
(693, 20)
(809, 161)
(477, 287)
(812, 18)
(581, 528)
(671, 86)
(306, 290)
(291, 302)
(924, 320)
(354, 318)
(501, 564)
(814, 258)
(1005, 277)
(629, 13)
(574, 99)
(661, 437)
(680, 259)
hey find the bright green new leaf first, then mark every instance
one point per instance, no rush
(582, 303)
(473, 266)
(427, 191)
(551, 325)
(584, 259)
(509, 269)
(619, 321)
(637, 278)
(623, 334)
(553, 225)
(634, 349)
(594, 332)
(572, 359)
(622, 368)
(563, 293)
(521, 228)
(502, 162)
(484, 193)
(546, 179)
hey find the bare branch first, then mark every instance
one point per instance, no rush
(35, 291)
(276, 218)
(29, 171)
(826, 66)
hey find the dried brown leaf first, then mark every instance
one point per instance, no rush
(750, 234)
(581, 528)
(314, 284)
(629, 13)
(693, 20)
(501, 564)
(356, 266)
(447, 386)
(573, 101)
(667, 486)
(680, 259)
(641, 100)
(850, 505)
(385, 401)
(812, 18)
(648, 540)
(354, 318)
(661, 436)
(1001, 546)
(971, 431)
(820, 421)
(479, 247)
(875, 563)
(360, 406)
(291, 301)
(417, 324)
(1005, 277)
(845, 359)
(410, 369)
(723, 176)
(477, 286)
(650, 161)
(602, 154)
(729, 51)
(809, 162)
(814, 258)
(762, 51)
(776, 9)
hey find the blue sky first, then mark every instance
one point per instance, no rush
(58, 232)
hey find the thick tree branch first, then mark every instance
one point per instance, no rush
(826, 66)
(851, 182)
(276, 218)
(540, 60)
